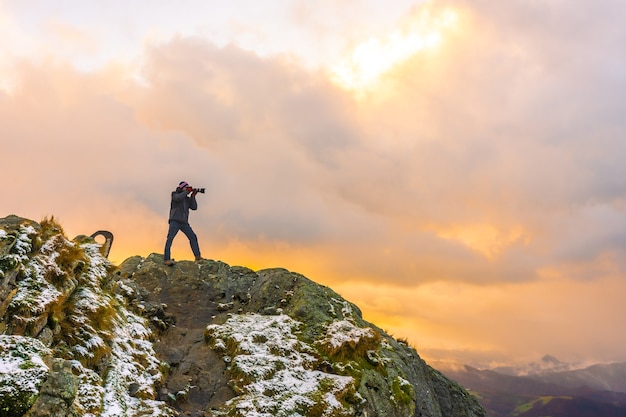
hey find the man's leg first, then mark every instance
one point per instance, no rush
(171, 233)
(193, 240)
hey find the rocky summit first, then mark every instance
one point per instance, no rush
(80, 336)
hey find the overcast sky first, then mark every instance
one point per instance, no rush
(454, 167)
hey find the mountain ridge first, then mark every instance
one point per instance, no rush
(597, 390)
(83, 337)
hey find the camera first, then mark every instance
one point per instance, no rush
(198, 190)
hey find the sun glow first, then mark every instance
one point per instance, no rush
(485, 238)
(376, 56)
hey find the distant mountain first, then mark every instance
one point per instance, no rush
(608, 377)
(595, 391)
(547, 364)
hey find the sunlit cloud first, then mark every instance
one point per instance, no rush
(486, 239)
(375, 56)
(11, 41)
(491, 321)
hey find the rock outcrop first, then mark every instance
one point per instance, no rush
(83, 337)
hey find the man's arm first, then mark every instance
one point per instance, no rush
(179, 196)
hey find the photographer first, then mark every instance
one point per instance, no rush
(183, 199)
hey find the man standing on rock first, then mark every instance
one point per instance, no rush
(181, 203)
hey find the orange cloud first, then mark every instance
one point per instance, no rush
(486, 239)
(526, 319)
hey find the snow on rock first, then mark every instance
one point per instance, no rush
(20, 245)
(22, 372)
(66, 285)
(23, 243)
(35, 291)
(346, 309)
(131, 360)
(342, 333)
(274, 371)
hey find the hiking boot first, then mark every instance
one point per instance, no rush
(170, 262)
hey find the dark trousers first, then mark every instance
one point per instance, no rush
(188, 231)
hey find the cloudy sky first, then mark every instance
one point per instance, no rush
(454, 167)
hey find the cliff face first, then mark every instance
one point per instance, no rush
(83, 337)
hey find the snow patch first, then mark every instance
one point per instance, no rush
(340, 333)
(22, 369)
(275, 370)
(23, 244)
(132, 358)
(346, 309)
(34, 293)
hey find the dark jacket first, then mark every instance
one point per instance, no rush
(180, 206)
